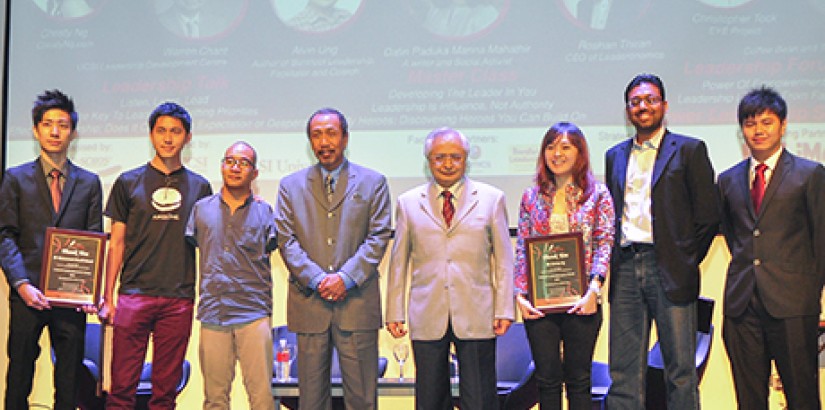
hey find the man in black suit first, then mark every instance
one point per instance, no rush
(49, 191)
(666, 218)
(773, 219)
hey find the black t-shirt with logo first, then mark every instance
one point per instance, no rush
(157, 260)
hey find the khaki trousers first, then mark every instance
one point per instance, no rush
(251, 346)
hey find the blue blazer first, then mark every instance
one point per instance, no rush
(26, 211)
(684, 206)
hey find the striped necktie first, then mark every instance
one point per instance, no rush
(448, 210)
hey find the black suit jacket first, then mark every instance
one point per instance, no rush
(781, 250)
(684, 209)
(26, 211)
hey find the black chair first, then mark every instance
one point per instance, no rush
(89, 392)
(281, 332)
(517, 388)
(599, 384)
(90, 396)
(144, 390)
(656, 391)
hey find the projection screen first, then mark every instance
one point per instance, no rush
(502, 71)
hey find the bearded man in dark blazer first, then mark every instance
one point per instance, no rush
(666, 218)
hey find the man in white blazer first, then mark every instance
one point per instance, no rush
(452, 245)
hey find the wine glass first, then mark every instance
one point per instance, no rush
(401, 351)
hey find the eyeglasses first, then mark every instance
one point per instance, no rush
(649, 100)
(441, 158)
(241, 162)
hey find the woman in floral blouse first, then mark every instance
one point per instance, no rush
(566, 198)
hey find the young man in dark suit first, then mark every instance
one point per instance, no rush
(666, 217)
(49, 191)
(773, 219)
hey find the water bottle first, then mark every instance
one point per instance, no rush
(283, 359)
(453, 368)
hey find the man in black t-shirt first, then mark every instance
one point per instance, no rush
(149, 207)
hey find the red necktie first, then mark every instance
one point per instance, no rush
(448, 210)
(56, 192)
(758, 190)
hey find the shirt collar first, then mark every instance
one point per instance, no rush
(158, 171)
(770, 162)
(245, 203)
(455, 189)
(335, 172)
(651, 143)
(47, 167)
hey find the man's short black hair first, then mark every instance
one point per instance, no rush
(641, 79)
(171, 109)
(341, 119)
(760, 100)
(51, 100)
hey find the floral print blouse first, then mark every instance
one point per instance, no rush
(594, 218)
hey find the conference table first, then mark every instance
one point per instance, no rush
(288, 389)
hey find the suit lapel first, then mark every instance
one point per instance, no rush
(667, 148)
(347, 180)
(783, 167)
(38, 176)
(466, 203)
(68, 189)
(315, 183)
(622, 156)
(742, 185)
(428, 202)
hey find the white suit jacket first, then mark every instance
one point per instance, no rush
(462, 274)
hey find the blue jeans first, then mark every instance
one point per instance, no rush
(638, 299)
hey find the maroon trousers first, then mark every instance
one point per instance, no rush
(169, 321)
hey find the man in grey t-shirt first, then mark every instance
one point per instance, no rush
(235, 233)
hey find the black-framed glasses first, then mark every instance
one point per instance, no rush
(649, 100)
(241, 162)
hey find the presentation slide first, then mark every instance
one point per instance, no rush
(501, 71)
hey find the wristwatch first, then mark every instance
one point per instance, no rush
(596, 289)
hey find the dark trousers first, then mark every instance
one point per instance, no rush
(577, 334)
(67, 332)
(755, 337)
(477, 373)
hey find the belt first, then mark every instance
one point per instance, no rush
(637, 247)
